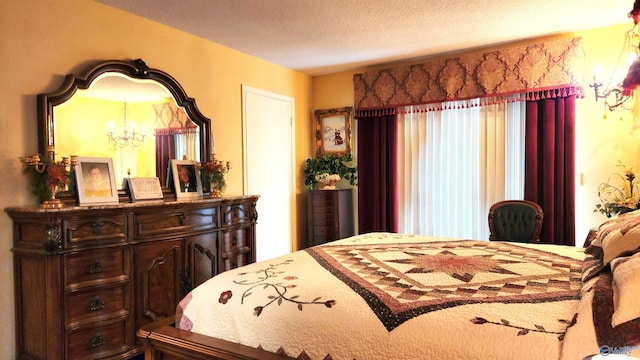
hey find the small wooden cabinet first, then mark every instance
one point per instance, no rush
(329, 215)
(87, 278)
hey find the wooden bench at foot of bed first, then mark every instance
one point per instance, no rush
(163, 341)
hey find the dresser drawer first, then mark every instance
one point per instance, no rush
(323, 197)
(95, 230)
(96, 303)
(236, 213)
(324, 231)
(328, 220)
(234, 249)
(330, 205)
(323, 214)
(90, 266)
(174, 222)
(99, 341)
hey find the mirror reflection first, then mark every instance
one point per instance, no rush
(136, 122)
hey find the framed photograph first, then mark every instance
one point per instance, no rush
(144, 188)
(333, 131)
(96, 182)
(186, 179)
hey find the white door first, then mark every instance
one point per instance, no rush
(269, 157)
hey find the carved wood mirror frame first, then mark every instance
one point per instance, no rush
(136, 69)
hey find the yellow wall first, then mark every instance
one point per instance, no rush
(43, 40)
(599, 143)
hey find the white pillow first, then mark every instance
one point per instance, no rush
(626, 289)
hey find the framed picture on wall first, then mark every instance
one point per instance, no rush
(333, 131)
(96, 182)
(186, 179)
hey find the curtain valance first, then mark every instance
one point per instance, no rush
(171, 119)
(175, 131)
(545, 69)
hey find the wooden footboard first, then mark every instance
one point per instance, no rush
(163, 341)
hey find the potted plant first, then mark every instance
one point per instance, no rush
(620, 194)
(212, 173)
(328, 169)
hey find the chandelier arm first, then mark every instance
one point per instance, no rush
(126, 138)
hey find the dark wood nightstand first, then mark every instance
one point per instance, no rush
(329, 215)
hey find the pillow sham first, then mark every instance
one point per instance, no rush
(626, 289)
(619, 236)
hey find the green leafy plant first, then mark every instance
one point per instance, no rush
(212, 173)
(329, 164)
(217, 180)
(51, 176)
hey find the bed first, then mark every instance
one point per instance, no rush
(393, 296)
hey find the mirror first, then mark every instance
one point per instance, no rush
(138, 116)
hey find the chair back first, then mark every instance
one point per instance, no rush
(515, 220)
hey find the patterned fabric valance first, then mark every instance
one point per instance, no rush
(170, 116)
(546, 69)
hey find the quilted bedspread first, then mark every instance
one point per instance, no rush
(390, 296)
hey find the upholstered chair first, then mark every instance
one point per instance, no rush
(515, 220)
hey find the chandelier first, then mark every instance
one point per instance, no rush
(626, 76)
(127, 137)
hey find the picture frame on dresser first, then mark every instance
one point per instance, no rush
(96, 183)
(186, 179)
(333, 131)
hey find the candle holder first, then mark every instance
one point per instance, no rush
(48, 176)
(213, 172)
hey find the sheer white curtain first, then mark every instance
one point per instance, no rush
(455, 159)
(188, 146)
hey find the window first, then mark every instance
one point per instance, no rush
(188, 146)
(455, 159)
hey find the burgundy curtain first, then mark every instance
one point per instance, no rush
(165, 151)
(377, 205)
(549, 165)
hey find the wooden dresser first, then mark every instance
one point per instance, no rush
(329, 215)
(86, 278)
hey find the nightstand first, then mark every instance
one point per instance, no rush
(329, 215)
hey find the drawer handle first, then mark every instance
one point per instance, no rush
(183, 219)
(96, 304)
(98, 341)
(96, 268)
(97, 227)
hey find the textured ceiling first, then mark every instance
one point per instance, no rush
(325, 36)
